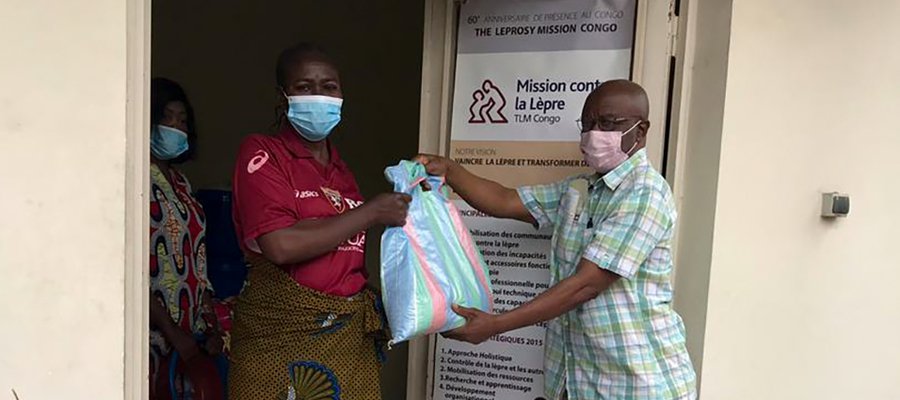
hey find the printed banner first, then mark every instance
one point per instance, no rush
(523, 71)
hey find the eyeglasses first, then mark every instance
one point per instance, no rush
(605, 123)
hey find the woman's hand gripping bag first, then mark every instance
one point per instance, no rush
(431, 263)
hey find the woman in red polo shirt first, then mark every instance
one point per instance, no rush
(305, 326)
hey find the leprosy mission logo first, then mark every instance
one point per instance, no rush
(536, 102)
(488, 103)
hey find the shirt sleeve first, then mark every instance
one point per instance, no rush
(542, 201)
(263, 196)
(627, 237)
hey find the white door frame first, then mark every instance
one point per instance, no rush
(655, 37)
(137, 184)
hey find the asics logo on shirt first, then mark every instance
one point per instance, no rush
(306, 194)
(259, 159)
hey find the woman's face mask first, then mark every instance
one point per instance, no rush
(167, 143)
(314, 117)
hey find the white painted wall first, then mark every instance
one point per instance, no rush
(62, 198)
(798, 307)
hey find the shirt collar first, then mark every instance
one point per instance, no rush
(615, 177)
(295, 146)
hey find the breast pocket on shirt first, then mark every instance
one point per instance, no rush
(571, 234)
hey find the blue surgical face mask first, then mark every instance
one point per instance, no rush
(314, 116)
(167, 143)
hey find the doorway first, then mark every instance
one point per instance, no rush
(396, 63)
(224, 54)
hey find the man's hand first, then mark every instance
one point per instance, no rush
(435, 165)
(587, 283)
(480, 326)
(484, 195)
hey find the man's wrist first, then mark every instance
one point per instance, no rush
(501, 323)
(453, 168)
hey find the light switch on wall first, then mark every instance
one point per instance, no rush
(835, 205)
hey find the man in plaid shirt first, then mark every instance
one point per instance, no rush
(612, 333)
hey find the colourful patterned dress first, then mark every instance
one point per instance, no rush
(177, 260)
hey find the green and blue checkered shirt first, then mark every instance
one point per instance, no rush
(628, 343)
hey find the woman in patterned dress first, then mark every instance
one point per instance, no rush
(181, 313)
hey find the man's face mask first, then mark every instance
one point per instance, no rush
(314, 117)
(603, 149)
